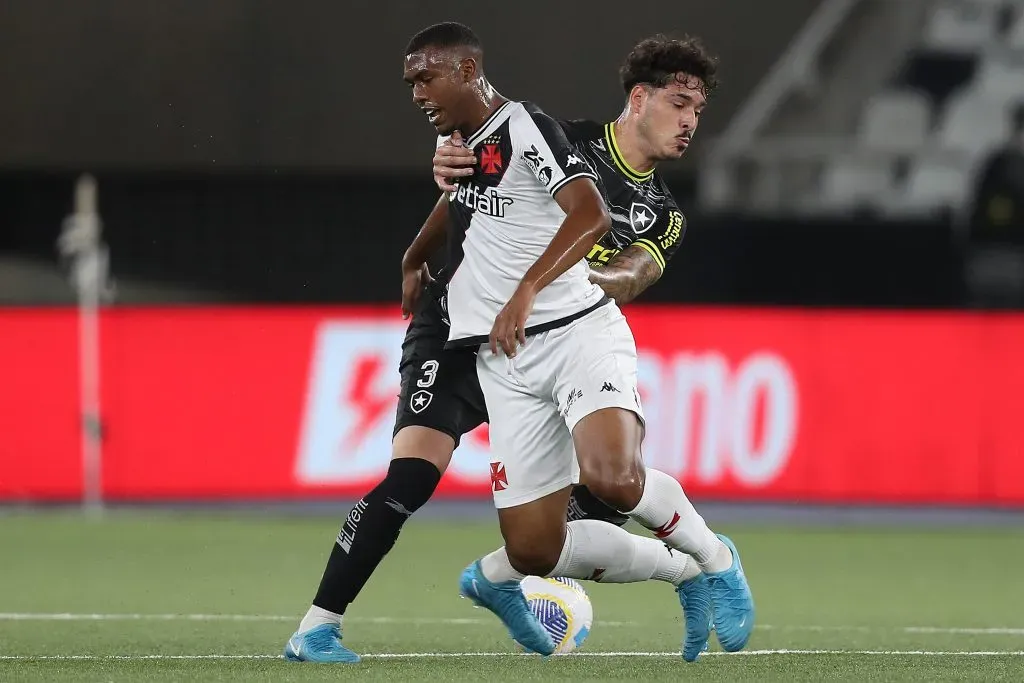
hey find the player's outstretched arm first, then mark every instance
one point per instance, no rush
(586, 221)
(429, 239)
(627, 275)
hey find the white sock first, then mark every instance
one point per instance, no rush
(317, 616)
(599, 551)
(497, 568)
(665, 510)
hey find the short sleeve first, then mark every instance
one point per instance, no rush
(665, 237)
(542, 143)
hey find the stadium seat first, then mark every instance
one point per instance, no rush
(974, 123)
(1000, 80)
(1015, 36)
(932, 186)
(854, 182)
(895, 120)
(961, 27)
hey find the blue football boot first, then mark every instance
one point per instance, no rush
(733, 603)
(508, 603)
(319, 644)
(695, 597)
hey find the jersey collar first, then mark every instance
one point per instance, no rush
(620, 161)
(488, 126)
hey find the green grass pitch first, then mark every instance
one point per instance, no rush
(169, 597)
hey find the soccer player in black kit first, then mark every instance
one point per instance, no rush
(440, 396)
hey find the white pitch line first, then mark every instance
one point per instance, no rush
(69, 616)
(452, 655)
(966, 631)
(472, 621)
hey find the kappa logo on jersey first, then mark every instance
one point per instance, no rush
(486, 201)
(490, 159)
(419, 401)
(572, 160)
(640, 217)
(499, 480)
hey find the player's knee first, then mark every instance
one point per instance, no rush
(410, 483)
(423, 443)
(617, 482)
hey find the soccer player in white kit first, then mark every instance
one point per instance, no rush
(557, 360)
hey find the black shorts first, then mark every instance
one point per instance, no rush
(440, 389)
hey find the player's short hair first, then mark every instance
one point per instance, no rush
(445, 34)
(656, 60)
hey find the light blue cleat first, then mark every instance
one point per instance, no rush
(695, 597)
(733, 603)
(319, 644)
(508, 603)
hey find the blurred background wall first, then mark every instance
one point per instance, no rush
(317, 85)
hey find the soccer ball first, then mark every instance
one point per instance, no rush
(563, 608)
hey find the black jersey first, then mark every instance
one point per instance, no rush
(642, 209)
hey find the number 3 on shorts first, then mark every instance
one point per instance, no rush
(429, 369)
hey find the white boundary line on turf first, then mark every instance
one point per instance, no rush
(455, 621)
(449, 655)
(69, 616)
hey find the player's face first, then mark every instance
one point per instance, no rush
(438, 81)
(669, 116)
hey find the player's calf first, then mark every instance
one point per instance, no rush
(367, 535)
(534, 534)
(665, 510)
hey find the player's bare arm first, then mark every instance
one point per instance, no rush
(586, 221)
(627, 275)
(430, 238)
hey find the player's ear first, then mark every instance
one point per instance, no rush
(468, 69)
(637, 96)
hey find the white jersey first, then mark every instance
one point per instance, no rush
(504, 216)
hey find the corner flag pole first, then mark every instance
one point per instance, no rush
(81, 245)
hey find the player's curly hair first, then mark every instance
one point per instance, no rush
(656, 60)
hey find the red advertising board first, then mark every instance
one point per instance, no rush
(286, 403)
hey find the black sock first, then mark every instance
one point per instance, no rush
(585, 505)
(371, 529)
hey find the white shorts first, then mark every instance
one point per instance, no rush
(535, 400)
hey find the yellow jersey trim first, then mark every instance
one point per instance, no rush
(620, 161)
(652, 249)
